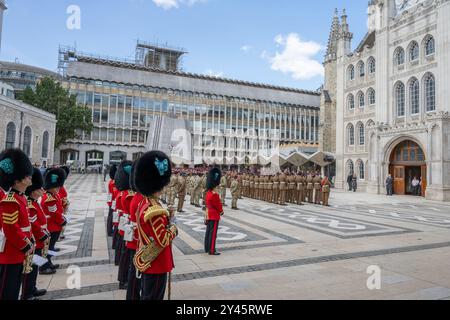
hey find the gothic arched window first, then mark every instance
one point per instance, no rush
(414, 96)
(362, 69)
(351, 135)
(400, 99)
(372, 65)
(362, 134)
(10, 136)
(351, 72)
(361, 170)
(399, 56)
(27, 141)
(413, 51)
(429, 46)
(361, 100)
(351, 102)
(45, 143)
(371, 96)
(430, 93)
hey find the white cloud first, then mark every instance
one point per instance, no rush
(246, 48)
(297, 57)
(171, 4)
(215, 74)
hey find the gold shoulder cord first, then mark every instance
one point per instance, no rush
(10, 198)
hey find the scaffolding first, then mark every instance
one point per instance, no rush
(156, 56)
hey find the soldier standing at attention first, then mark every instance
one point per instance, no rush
(317, 187)
(17, 240)
(309, 187)
(276, 189)
(173, 185)
(326, 188)
(270, 190)
(214, 211)
(239, 179)
(111, 187)
(234, 193)
(283, 188)
(223, 189)
(204, 189)
(156, 226)
(181, 191)
(256, 188)
(298, 189)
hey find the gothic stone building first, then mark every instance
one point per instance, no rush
(391, 97)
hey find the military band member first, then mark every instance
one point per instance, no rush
(156, 226)
(326, 188)
(181, 191)
(40, 233)
(64, 198)
(223, 189)
(111, 187)
(52, 206)
(214, 210)
(234, 194)
(123, 185)
(16, 242)
(134, 283)
(317, 187)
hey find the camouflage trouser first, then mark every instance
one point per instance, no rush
(325, 198)
(181, 197)
(197, 197)
(234, 201)
(317, 196)
(223, 194)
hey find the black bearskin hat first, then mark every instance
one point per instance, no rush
(66, 170)
(112, 171)
(132, 184)
(152, 173)
(54, 178)
(14, 166)
(122, 177)
(213, 179)
(38, 182)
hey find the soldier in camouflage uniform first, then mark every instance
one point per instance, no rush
(283, 188)
(317, 186)
(181, 190)
(223, 189)
(276, 189)
(309, 187)
(234, 193)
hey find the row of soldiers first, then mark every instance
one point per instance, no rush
(32, 209)
(294, 188)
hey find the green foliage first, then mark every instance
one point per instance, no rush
(51, 97)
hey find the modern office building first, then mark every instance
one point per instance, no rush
(230, 121)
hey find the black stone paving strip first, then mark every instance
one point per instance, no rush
(59, 294)
(85, 243)
(85, 264)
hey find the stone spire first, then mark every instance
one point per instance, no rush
(345, 35)
(333, 38)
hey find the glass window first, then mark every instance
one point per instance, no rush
(414, 51)
(45, 143)
(400, 56)
(351, 135)
(113, 109)
(372, 65)
(142, 136)
(111, 135)
(372, 98)
(414, 96)
(27, 137)
(119, 135)
(134, 136)
(400, 99)
(351, 72)
(362, 101)
(362, 69)
(105, 105)
(103, 134)
(362, 172)
(429, 46)
(430, 93)
(362, 135)
(351, 102)
(350, 167)
(126, 136)
(10, 136)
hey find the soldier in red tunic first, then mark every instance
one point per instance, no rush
(16, 239)
(111, 187)
(123, 185)
(40, 233)
(214, 211)
(156, 226)
(52, 206)
(64, 198)
(134, 284)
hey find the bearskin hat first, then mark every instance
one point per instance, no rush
(54, 178)
(152, 173)
(37, 180)
(213, 179)
(14, 166)
(122, 177)
(112, 171)
(132, 184)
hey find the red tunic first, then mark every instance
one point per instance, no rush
(214, 207)
(134, 207)
(15, 223)
(52, 206)
(2, 194)
(111, 187)
(154, 223)
(38, 223)
(62, 193)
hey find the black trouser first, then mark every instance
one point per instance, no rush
(54, 236)
(124, 264)
(212, 228)
(119, 248)
(389, 190)
(154, 286)
(109, 223)
(10, 281)
(115, 237)
(134, 284)
(29, 280)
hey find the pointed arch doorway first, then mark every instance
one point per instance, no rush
(407, 161)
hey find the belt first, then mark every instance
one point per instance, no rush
(26, 229)
(44, 226)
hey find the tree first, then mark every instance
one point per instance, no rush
(51, 97)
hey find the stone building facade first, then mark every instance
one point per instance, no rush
(392, 101)
(28, 128)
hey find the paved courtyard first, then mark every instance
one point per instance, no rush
(273, 252)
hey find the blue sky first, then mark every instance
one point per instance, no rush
(279, 42)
